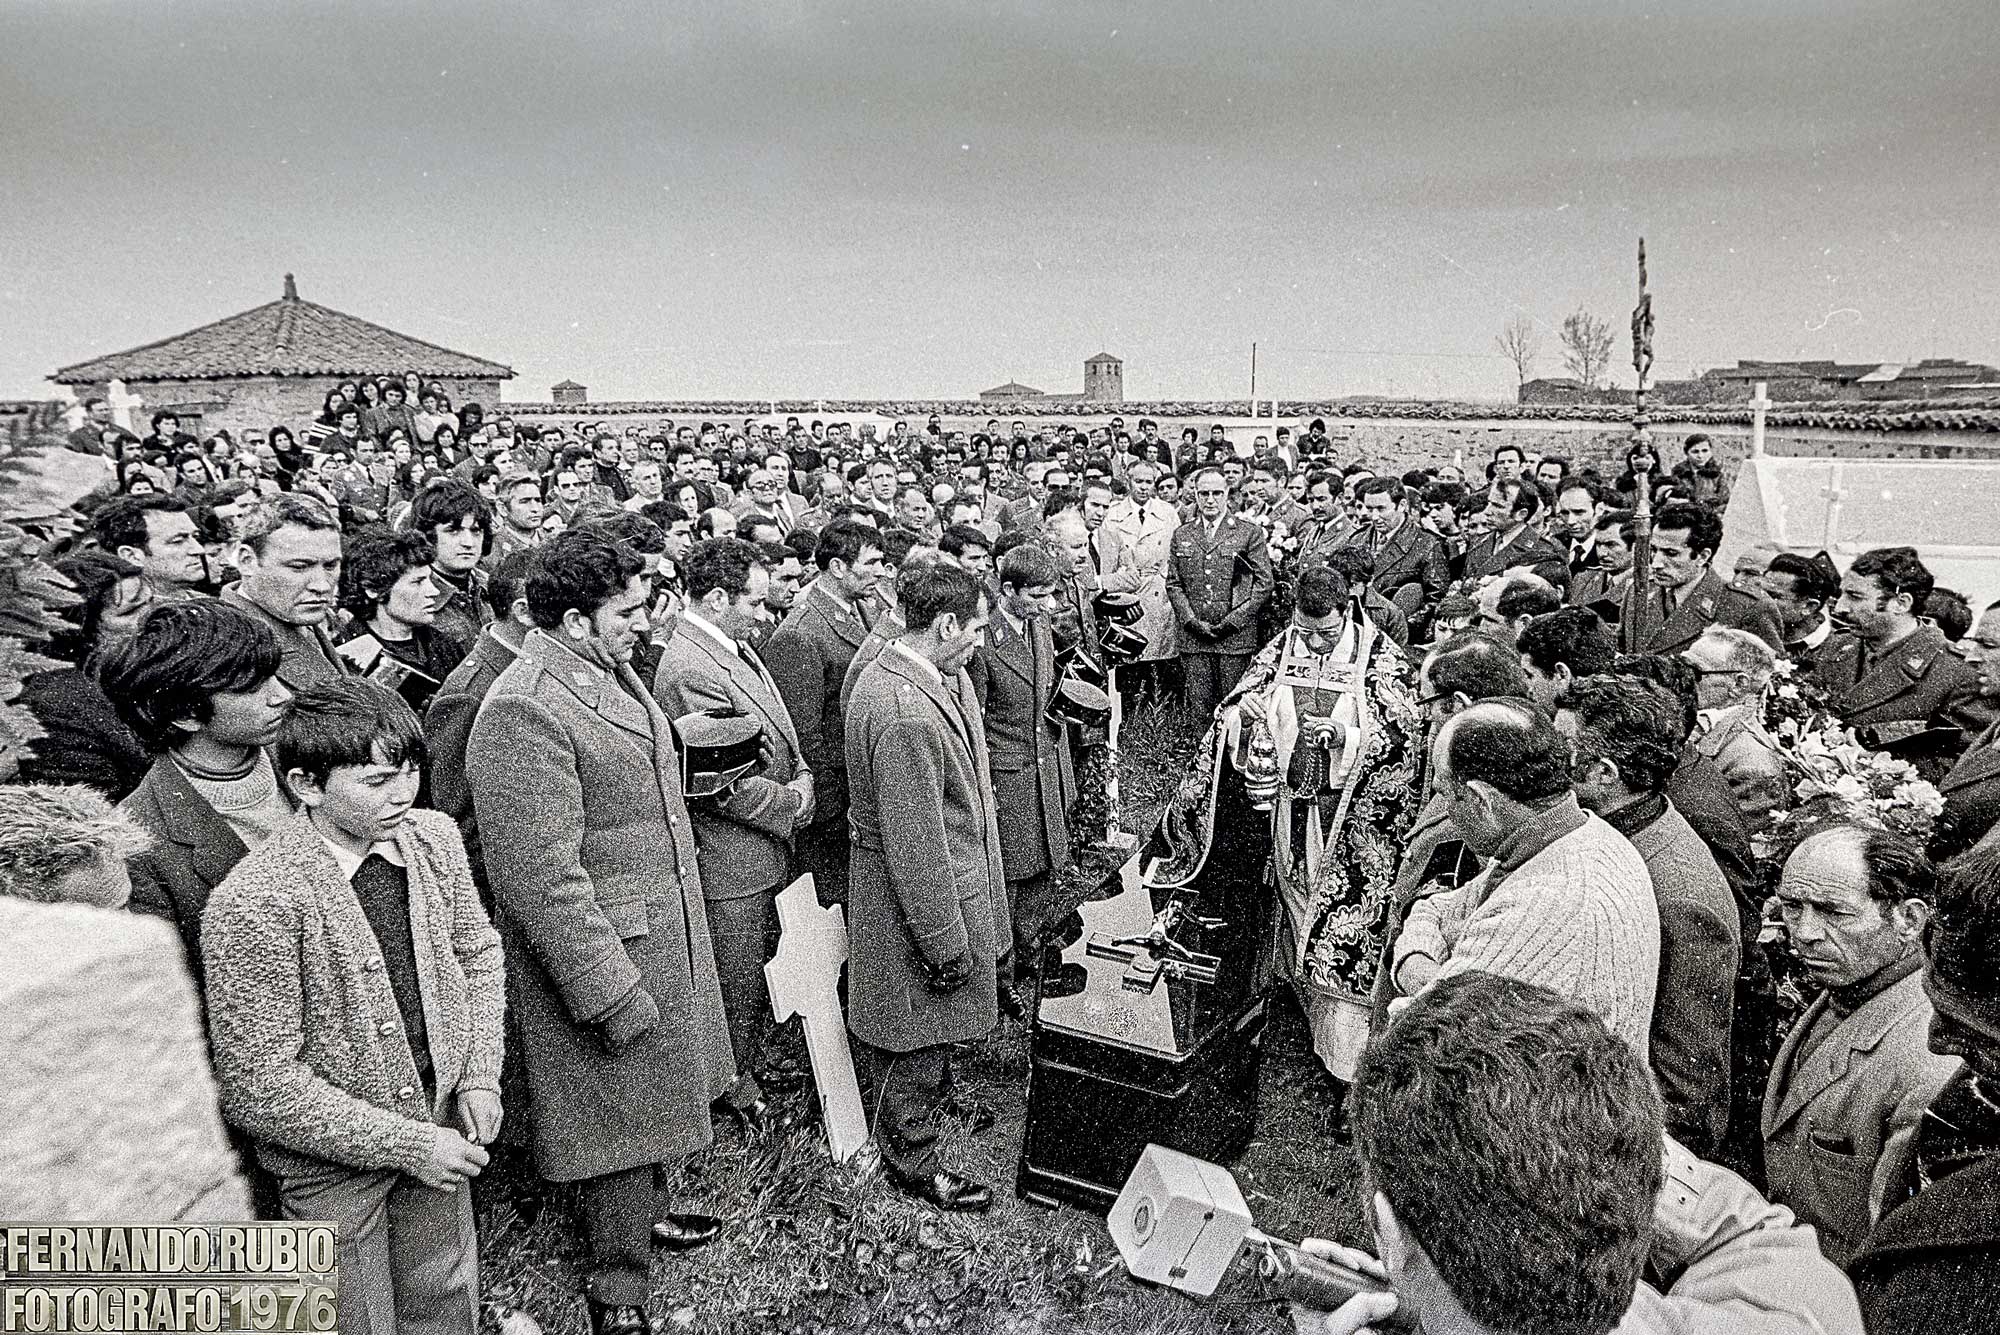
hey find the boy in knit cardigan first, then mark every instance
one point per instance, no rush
(355, 998)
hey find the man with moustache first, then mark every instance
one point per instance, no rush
(1893, 676)
(1410, 567)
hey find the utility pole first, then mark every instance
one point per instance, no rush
(1253, 378)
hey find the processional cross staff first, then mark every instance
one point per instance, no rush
(1641, 604)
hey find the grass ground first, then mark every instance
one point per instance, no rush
(813, 1246)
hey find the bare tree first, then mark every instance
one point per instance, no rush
(1519, 344)
(1586, 345)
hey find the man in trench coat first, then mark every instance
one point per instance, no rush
(927, 897)
(590, 854)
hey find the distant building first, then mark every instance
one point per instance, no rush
(1013, 389)
(1104, 379)
(1933, 377)
(1567, 389)
(568, 394)
(275, 364)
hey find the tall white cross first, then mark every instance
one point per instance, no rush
(804, 980)
(1758, 407)
(122, 403)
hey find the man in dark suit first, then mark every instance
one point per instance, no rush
(1218, 579)
(1683, 596)
(1601, 584)
(1014, 674)
(1972, 787)
(448, 721)
(1410, 568)
(927, 905)
(807, 655)
(743, 837)
(1512, 507)
(1579, 503)
(1893, 676)
(198, 686)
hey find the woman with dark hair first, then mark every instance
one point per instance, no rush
(430, 415)
(470, 418)
(576, 782)
(371, 398)
(1627, 483)
(335, 404)
(285, 448)
(86, 742)
(445, 442)
(387, 591)
(413, 388)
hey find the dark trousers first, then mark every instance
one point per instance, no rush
(906, 1091)
(619, 1211)
(1032, 899)
(821, 848)
(741, 930)
(1208, 677)
(409, 1259)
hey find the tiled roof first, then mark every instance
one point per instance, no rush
(286, 337)
(1012, 387)
(1103, 357)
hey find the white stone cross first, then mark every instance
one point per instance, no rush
(804, 979)
(122, 403)
(1759, 405)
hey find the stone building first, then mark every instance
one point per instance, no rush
(1013, 389)
(275, 364)
(568, 393)
(1104, 379)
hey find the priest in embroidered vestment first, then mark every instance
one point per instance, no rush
(1325, 729)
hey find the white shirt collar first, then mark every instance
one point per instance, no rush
(694, 618)
(1819, 634)
(898, 646)
(350, 862)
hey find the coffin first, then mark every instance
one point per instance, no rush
(1136, 1044)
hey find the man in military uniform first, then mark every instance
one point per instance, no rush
(1972, 788)
(1218, 581)
(1014, 674)
(1512, 507)
(1328, 528)
(1893, 676)
(1684, 597)
(1409, 563)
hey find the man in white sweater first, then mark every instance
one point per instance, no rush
(1564, 900)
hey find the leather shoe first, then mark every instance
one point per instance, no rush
(611, 1319)
(945, 1189)
(685, 1232)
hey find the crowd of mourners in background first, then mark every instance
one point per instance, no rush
(401, 693)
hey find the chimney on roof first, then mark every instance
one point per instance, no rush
(291, 289)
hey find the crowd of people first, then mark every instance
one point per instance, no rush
(467, 759)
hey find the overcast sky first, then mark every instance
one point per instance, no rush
(929, 197)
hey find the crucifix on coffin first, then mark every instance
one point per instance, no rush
(1155, 953)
